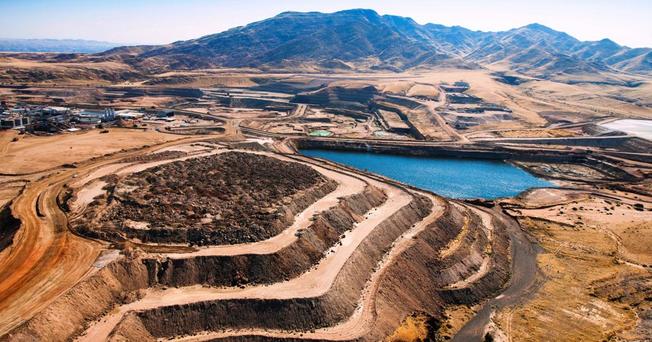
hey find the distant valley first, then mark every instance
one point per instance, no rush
(54, 45)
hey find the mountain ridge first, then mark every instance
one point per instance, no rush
(361, 38)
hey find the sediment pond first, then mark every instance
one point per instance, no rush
(641, 128)
(451, 177)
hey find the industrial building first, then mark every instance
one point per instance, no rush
(88, 120)
(128, 114)
(104, 115)
(14, 121)
(165, 113)
(54, 119)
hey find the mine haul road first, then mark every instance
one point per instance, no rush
(522, 284)
(347, 186)
(46, 258)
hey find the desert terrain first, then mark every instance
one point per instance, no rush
(153, 195)
(329, 256)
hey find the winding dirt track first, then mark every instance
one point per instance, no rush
(431, 107)
(46, 259)
(488, 227)
(347, 185)
(521, 285)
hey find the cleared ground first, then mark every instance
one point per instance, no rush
(590, 242)
(31, 154)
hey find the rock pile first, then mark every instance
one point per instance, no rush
(232, 197)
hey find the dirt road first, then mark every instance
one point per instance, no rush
(46, 259)
(522, 284)
(347, 186)
(488, 227)
(431, 106)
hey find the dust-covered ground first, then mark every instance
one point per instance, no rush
(31, 154)
(596, 268)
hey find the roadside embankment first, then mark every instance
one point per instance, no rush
(8, 226)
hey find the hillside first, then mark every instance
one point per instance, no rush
(363, 39)
(324, 40)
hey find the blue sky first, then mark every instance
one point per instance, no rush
(155, 22)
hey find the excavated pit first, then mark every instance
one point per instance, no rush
(337, 304)
(400, 294)
(411, 283)
(415, 279)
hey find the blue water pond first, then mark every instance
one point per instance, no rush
(455, 178)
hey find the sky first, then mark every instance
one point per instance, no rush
(627, 22)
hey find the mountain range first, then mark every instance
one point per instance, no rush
(360, 38)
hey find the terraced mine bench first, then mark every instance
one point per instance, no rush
(335, 268)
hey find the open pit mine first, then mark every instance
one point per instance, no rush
(353, 212)
(208, 241)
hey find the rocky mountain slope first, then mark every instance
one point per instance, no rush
(364, 39)
(360, 40)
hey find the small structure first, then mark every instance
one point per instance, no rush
(88, 120)
(128, 115)
(105, 115)
(55, 111)
(166, 119)
(14, 121)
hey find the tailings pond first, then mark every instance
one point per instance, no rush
(455, 178)
(641, 128)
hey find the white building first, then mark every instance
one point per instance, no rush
(107, 114)
(14, 121)
(128, 114)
